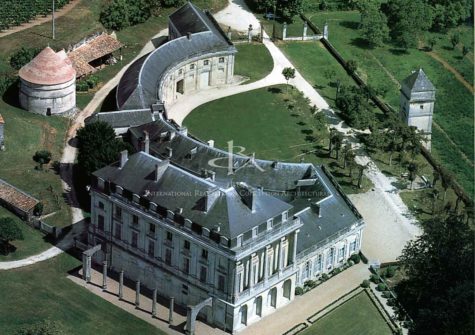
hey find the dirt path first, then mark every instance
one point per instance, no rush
(390, 75)
(40, 20)
(457, 74)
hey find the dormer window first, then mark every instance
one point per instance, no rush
(239, 240)
(285, 216)
(254, 232)
(270, 222)
(221, 59)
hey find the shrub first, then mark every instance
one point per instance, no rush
(351, 263)
(355, 258)
(365, 283)
(310, 284)
(381, 287)
(23, 57)
(386, 294)
(120, 14)
(38, 210)
(390, 272)
(5, 82)
(298, 290)
(352, 65)
(374, 278)
(391, 302)
(82, 86)
(336, 271)
(92, 81)
(324, 277)
(363, 258)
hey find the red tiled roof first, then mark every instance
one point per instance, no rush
(1, 119)
(16, 198)
(48, 68)
(100, 46)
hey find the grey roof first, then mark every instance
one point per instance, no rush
(123, 119)
(195, 156)
(189, 19)
(336, 216)
(418, 82)
(139, 86)
(177, 188)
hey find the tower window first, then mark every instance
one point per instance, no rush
(422, 106)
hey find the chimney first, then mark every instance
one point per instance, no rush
(124, 157)
(169, 152)
(188, 35)
(157, 172)
(316, 209)
(146, 142)
(247, 194)
(211, 143)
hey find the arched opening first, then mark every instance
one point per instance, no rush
(243, 313)
(287, 288)
(180, 86)
(48, 111)
(272, 297)
(258, 306)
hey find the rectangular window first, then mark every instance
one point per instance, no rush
(169, 236)
(151, 229)
(221, 59)
(204, 254)
(118, 231)
(192, 66)
(341, 252)
(353, 246)
(118, 212)
(184, 289)
(221, 282)
(269, 224)
(135, 219)
(254, 232)
(168, 256)
(285, 216)
(187, 245)
(186, 265)
(135, 238)
(100, 222)
(151, 248)
(101, 205)
(203, 272)
(206, 62)
(239, 240)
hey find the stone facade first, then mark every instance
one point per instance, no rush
(417, 103)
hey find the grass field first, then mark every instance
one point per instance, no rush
(253, 61)
(32, 244)
(271, 123)
(386, 66)
(42, 291)
(357, 316)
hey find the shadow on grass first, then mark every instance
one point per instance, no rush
(361, 43)
(11, 95)
(398, 51)
(350, 24)
(274, 90)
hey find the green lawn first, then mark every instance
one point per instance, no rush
(42, 291)
(32, 244)
(357, 316)
(253, 61)
(387, 65)
(272, 123)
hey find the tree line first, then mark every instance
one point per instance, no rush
(14, 12)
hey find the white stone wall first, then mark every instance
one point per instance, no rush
(59, 99)
(195, 75)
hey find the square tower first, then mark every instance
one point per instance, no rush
(417, 103)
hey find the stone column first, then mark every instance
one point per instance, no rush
(137, 294)
(88, 269)
(154, 303)
(284, 31)
(84, 266)
(251, 271)
(294, 252)
(325, 31)
(262, 33)
(229, 33)
(121, 285)
(170, 312)
(304, 30)
(266, 263)
(281, 254)
(249, 33)
(104, 275)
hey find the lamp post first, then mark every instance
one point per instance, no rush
(53, 21)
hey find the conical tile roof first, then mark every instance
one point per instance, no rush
(48, 68)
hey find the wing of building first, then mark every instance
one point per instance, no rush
(198, 222)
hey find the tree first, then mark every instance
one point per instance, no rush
(9, 231)
(352, 65)
(413, 169)
(42, 157)
(337, 141)
(120, 14)
(447, 181)
(348, 156)
(374, 24)
(408, 20)
(290, 8)
(437, 289)
(465, 50)
(98, 147)
(435, 177)
(23, 57)
(288, 73)
(354, 106)
(454, 39)
(432, 42)
(46, 327)
(361, 171)
(450, 13)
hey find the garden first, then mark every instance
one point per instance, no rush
(283, 127)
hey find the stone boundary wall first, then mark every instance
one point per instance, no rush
(296, 329)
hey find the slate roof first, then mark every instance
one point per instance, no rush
(139, 86)
(418, 82)
(123, 119)
(189, 19)
(177, 188)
